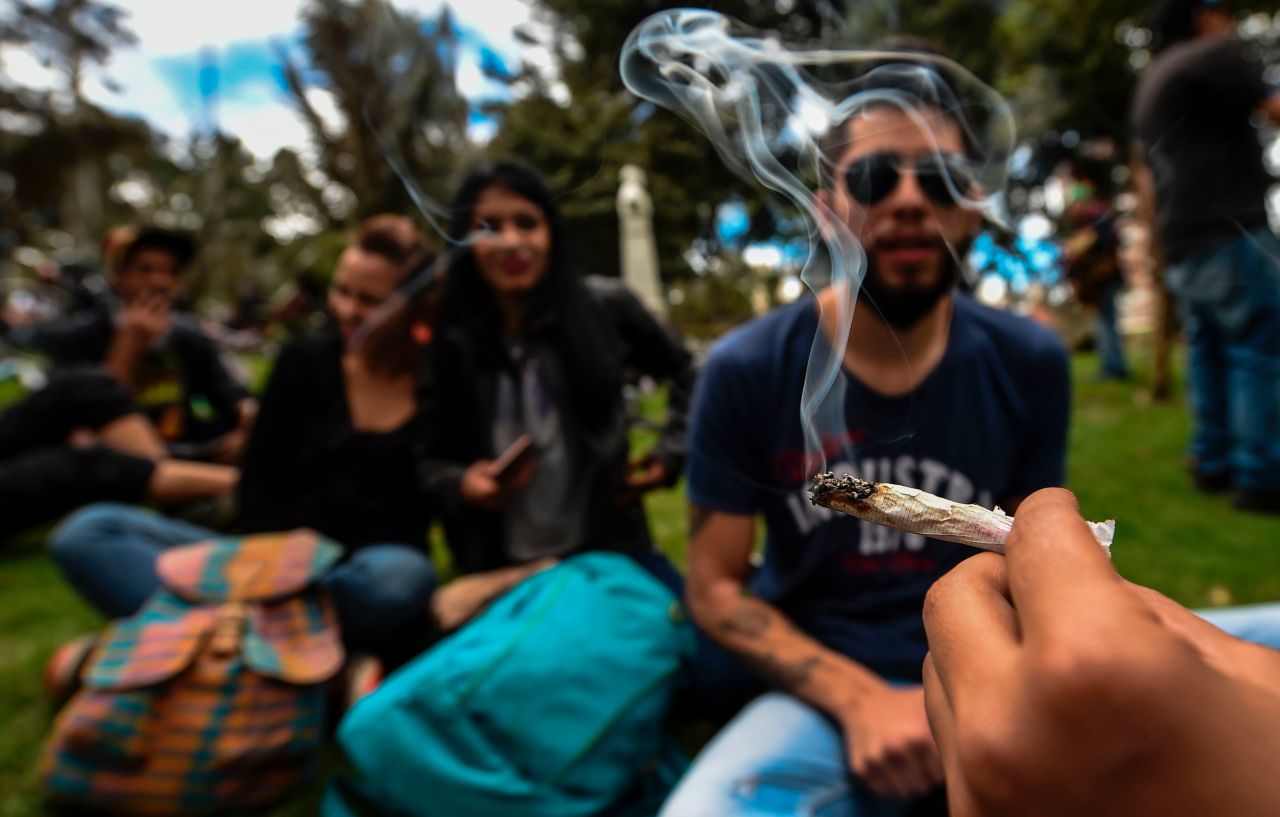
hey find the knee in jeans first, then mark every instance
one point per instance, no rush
(687, 801)
(85, 525)
(403, 577)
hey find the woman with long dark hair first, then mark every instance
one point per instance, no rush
(530, 352)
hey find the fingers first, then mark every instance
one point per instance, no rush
(972, 628)
(937, 708)
(1058, 575)
(904, 773)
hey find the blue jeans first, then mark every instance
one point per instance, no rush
(1230, 302)
(779, 756)
(108, 553)
(1110, 342)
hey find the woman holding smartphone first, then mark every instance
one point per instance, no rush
(531, 433)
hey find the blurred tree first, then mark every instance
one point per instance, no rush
(391, 80)
(581, 127)
(1065, 64)
(69, 36)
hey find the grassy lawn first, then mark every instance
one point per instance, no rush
(1126, 463)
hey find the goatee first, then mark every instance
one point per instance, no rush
(904, 307)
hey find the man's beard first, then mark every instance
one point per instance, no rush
(904, 307)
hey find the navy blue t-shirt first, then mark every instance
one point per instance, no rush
(988, 424)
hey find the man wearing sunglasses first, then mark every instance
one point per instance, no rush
(825, 639)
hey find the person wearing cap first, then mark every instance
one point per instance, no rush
(1200, 175)
(161, 356)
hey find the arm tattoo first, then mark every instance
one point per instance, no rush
(747, 620)
(752, 621)
(786, 674)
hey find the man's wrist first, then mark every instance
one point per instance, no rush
(846, 688)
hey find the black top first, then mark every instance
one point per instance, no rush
(464, 385)
(181, 383)
(1193, 114)
(307, 466)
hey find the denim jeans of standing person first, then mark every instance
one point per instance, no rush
(108, 553)
(1230, 303)
(1111, 360)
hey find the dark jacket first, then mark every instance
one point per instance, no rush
(307, 466)
(462, 422)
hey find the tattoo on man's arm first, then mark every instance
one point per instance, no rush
(746, 620)
(786, 674)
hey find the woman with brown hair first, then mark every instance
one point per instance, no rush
(335, 448)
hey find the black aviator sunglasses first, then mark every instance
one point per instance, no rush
(873, 177)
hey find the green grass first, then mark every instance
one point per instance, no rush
(1125, 462)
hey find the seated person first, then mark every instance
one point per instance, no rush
(825, 641)
(335, 449)
(161, 356)
(80, 440)
(526, 347)
(1055, 687)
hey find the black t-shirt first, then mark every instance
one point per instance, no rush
(1193, 113)
(181, 383)
(306, 466)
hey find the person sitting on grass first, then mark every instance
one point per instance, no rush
(81, 439)
(160, 355)
(336, 448)
(823, 643)
(527, 349)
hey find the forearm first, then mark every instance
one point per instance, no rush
(505, 578)
(179, 481)
(764, 639)
(1144, 184)
(122, 359)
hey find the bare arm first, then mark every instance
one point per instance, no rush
(141, 323)
(1144, 183)
(886, 736)
(461, 599)
(1046, 666)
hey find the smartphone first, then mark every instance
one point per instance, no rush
(517, 455)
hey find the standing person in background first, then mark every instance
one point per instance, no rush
(163, 357)
(337, 448)
(1201, 180)
(1092, 251)
(526, 347)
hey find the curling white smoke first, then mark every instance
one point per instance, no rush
(766, 112)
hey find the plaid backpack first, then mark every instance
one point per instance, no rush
(210, 699)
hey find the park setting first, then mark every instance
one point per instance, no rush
(413, 407)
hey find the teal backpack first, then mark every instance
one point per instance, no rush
(552, 703)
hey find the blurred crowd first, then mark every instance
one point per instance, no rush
(477, 382)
